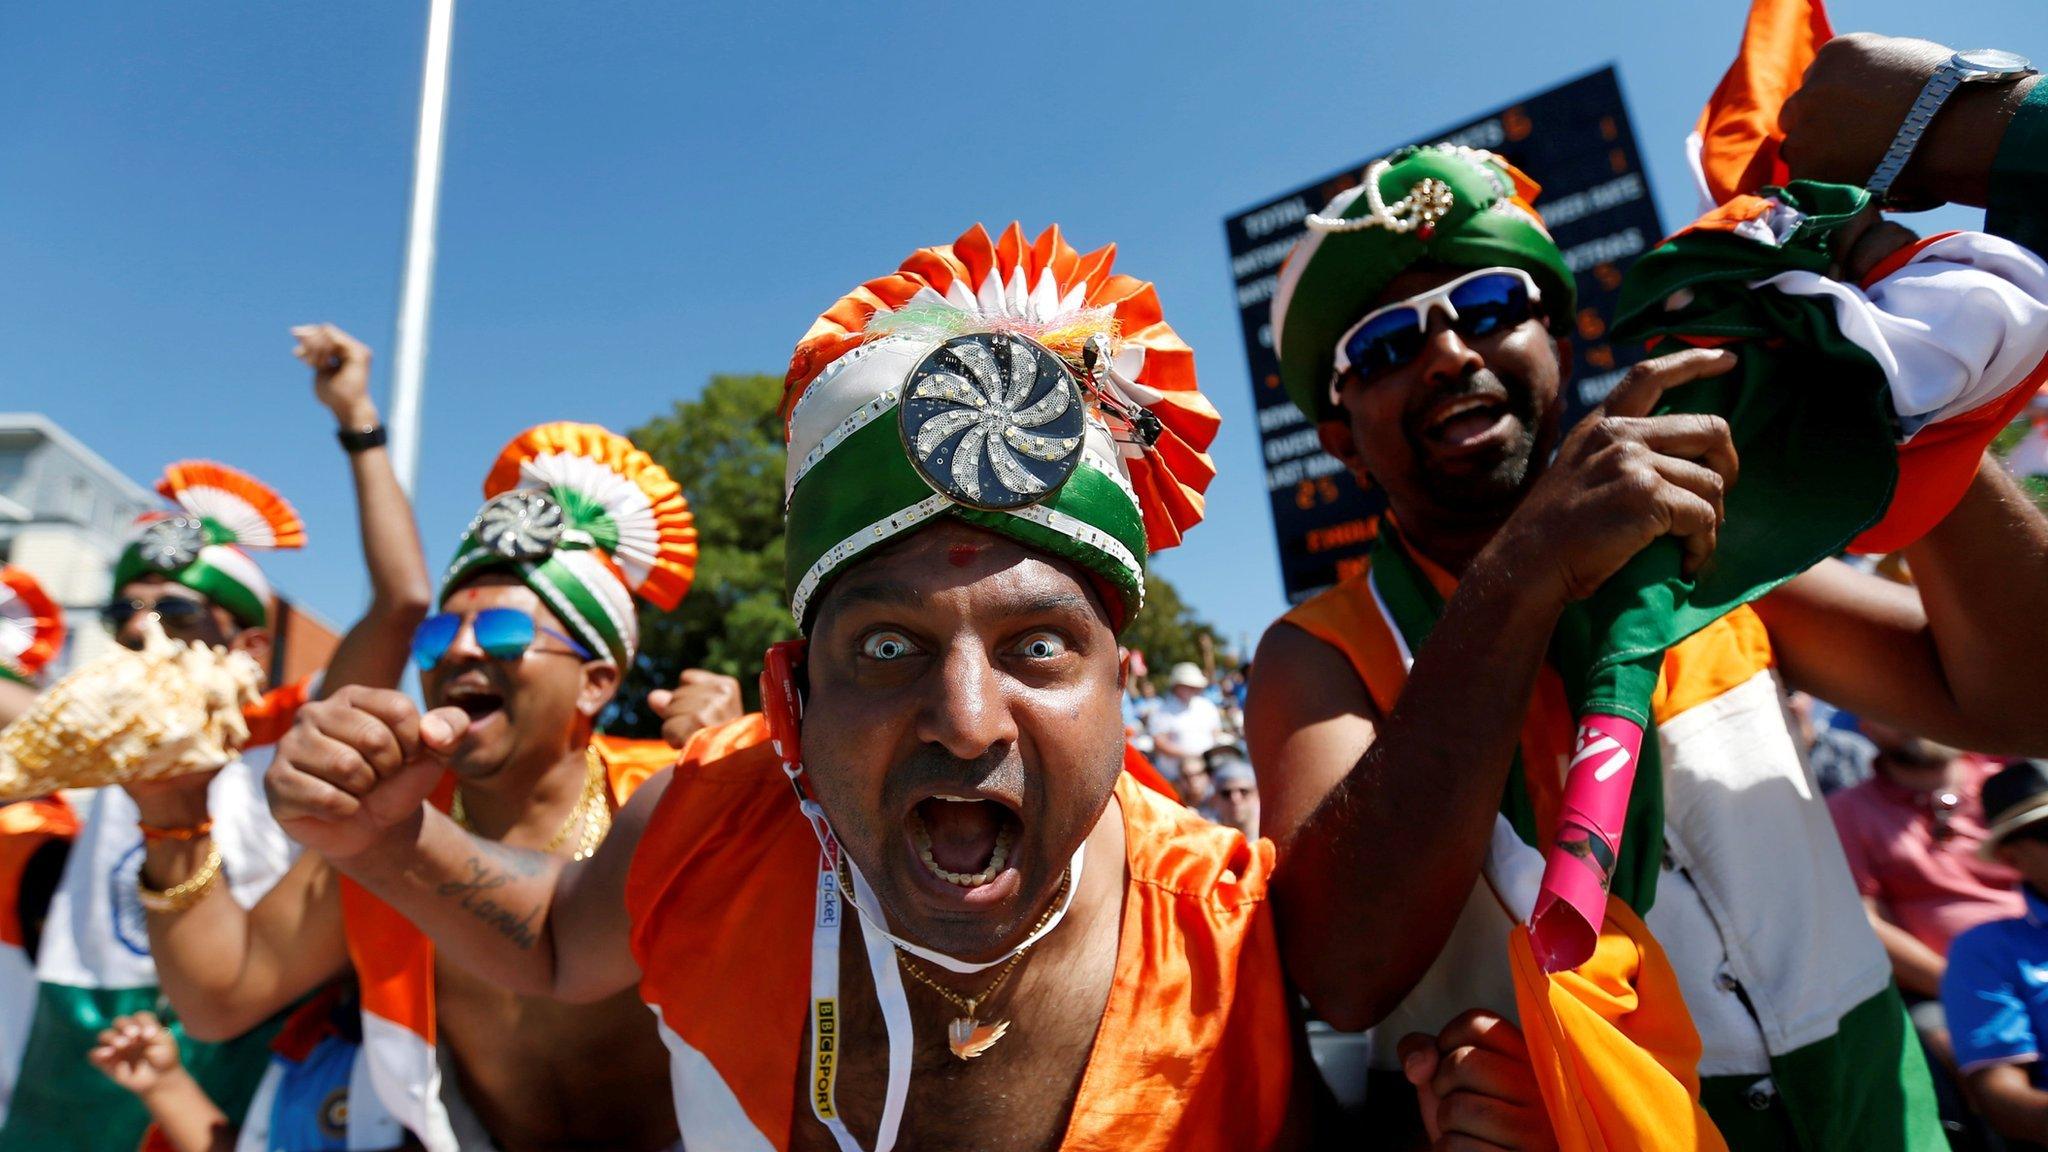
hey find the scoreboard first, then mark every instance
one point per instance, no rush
(1576, 142)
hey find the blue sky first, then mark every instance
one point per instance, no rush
(638, 195)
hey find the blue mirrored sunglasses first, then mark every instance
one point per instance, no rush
(502, 633)
(1489, 300)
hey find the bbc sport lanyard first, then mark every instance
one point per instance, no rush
(826, 1030)
(826, 1022)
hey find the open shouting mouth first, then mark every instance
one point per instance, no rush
(481, 698)
(965, 847)
(1466, 422)
(473, 695)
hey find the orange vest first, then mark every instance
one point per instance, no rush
(1613, 1046)
(1195, 1050)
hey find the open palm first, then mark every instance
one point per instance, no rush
(137, 1052)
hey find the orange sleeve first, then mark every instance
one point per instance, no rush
(630, 763)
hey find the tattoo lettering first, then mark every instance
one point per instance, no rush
(473, 895)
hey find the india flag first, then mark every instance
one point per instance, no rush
(95, 964)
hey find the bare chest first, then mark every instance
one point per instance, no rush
(545, 1075)
(1017, 1095)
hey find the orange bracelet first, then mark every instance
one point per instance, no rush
(185, 835)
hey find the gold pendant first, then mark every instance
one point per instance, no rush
(969, 1037)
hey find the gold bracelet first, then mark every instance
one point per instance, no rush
(180, 897)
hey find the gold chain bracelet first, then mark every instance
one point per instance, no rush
(180, 897)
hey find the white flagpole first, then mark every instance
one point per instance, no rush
(416, 289)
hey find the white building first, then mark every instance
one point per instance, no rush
(64, 516)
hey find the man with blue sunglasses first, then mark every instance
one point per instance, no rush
(535, 621)
(1422, 327)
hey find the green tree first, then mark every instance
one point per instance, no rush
(1168, 631)
(725, 449)
(2006, 441)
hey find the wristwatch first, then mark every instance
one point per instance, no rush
(1977, 66)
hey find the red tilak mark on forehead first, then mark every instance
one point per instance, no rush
(961, 555)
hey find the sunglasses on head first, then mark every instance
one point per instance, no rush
(176, 613)
(1477, 304)
(502, 633)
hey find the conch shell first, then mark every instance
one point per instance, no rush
(171, 709)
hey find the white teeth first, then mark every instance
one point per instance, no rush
(1459, 408)
(996, 859)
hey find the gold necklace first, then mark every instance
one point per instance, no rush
(967, 1036)
(592, 811)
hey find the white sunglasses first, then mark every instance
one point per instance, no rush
(1476, 304)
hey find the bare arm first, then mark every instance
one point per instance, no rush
(188, 1118)
(2007, 1098)
(1915, 966)
(1961, 656)
(227, 968)
(1407, 800)
(374, 650)
(139, 1054)
(505, 912)
(1857, 93)
(350, 782)
(1383, 822)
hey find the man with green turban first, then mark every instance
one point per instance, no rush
(534, 624)
(1457, 207)
(1413, 724)
(921, 887)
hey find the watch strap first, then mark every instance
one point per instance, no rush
(361, 439)
(1939, 88)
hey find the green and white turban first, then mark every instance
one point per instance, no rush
(1447, 205)
(1018, 385)
(588, 521)
(221, 512)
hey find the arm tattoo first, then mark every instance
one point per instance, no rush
(494, 868)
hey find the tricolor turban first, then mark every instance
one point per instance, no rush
(1448, 205)
(31, 626)
(588, 521)
(221, 512)
(1020, 386)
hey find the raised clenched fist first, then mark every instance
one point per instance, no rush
(357, 767)
(1854, 98)
(699, 700)
(341, 373)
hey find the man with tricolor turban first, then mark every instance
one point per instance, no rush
(188, 568)
(537, 622)
(160, 850)
(918, 902)
(1415, 723)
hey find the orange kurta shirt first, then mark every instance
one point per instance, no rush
(1195, 1050)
